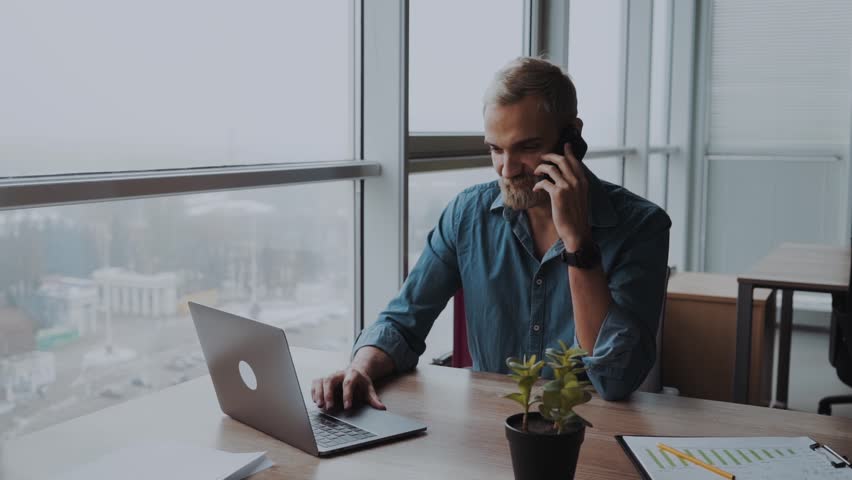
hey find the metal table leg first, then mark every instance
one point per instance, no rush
(742, 360)
(784, 338)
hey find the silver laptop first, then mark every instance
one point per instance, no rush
(256, 384)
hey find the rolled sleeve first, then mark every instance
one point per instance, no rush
(386, 337)
(625, 349)
(401, 329)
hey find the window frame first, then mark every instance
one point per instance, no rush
(52, 190)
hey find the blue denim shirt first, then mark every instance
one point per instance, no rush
(516, 304)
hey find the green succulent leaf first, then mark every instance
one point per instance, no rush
(516, 397)
(526, 383)
(536, 368)
(552, 386)
(567, 376)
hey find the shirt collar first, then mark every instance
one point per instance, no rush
(601, 211)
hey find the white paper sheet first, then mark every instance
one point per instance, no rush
(170, 460)
(748, 458)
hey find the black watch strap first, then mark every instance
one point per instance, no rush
(586, 257)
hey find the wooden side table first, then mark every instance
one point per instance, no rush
(699, 337)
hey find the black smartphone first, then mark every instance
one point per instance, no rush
(578, 146)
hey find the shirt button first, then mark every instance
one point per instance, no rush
(536, 328)
(539, 281)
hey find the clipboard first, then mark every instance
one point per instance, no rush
(833, 461)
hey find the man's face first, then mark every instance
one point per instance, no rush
(518, 135)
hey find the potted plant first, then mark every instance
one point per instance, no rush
(546, 444)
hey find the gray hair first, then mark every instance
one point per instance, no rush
(525, 76)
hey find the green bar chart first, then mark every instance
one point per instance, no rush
(720, 457)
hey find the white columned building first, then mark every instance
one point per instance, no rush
(138, 295)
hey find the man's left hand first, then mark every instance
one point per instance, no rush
(568, 197)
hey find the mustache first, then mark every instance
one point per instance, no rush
(521, 180)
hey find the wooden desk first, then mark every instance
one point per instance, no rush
(464, 411)
(790, 267)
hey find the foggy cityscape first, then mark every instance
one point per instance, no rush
(94, 296)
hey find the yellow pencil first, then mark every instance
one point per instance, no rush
(696, 461)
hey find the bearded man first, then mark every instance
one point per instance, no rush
(546, 252)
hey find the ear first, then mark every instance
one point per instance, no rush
(578, 122)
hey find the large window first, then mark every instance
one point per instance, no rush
(455, 49)
(93, 296)
(96, 85)
(93, 306)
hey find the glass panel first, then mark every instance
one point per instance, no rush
(660, 73)
(596, 57)
(657, 178)
(658, 129)
(455, 48)
(607, 168)
(93, 297)
(596, 64)
(429, 194)
(97, 85)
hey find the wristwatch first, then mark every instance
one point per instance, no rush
(586, 257)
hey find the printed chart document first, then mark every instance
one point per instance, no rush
(748, 458)
(170, 460)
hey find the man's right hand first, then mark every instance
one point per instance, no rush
(356, 381)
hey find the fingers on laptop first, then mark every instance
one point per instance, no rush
(329, 385)
(353, 384)
(373, 398)
(316, 391)
(350, 380)
(356, 382)
(322, 389)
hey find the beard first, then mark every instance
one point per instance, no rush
(518, 192)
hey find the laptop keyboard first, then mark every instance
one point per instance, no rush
(331, 432)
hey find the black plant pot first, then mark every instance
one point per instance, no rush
(541, 453)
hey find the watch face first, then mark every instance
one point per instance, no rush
(584, 259)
